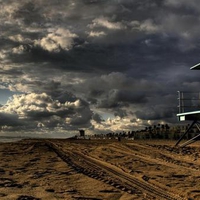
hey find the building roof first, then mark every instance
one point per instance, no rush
(195, 67)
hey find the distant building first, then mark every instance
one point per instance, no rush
(82, 133)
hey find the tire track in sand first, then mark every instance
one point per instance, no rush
(110, 174)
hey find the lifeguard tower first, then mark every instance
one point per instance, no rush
(82, 133)
(189, 110)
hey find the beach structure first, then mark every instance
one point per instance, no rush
(189, 110)
(82, 133)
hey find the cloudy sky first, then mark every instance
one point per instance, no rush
(98, 65)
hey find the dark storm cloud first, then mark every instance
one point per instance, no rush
(9, 120)
(29, 13)
(125, 57)
(120, 112)
(122, 98)
(119, 55)
(155, 113)
(96, 117)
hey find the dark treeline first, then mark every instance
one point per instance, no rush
(159, 131)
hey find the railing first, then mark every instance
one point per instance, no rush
(188, 101)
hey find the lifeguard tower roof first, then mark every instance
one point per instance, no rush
(195, 67)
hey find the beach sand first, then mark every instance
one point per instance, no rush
(98, 170)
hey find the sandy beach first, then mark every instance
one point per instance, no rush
(98, 170)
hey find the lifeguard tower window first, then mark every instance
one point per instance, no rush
(189, 109)
(188, 105)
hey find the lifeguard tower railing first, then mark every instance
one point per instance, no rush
(188, 101)
(189, 110)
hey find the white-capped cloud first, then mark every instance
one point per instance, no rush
(96, 34)
(40, 110)
(57, 40)
(18, 50)
(106, 23)
(117, 125)
(147, 26)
